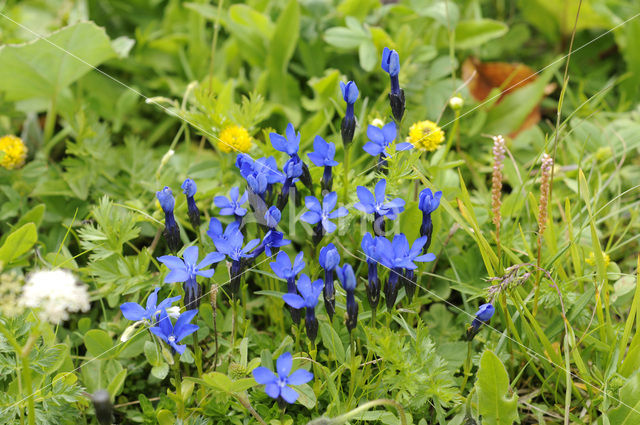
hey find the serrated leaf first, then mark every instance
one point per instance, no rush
(495, 404)
(43, 67)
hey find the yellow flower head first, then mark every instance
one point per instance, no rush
(592, 259)
(13, 152)
(234, 138)
(425, 135)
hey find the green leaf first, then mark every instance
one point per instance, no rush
(40, 69)
(18, 242)
(160, 371)
(242, 385)
(153, 354)
(34, 215)
(627, 412)
(476, 32)
(494, 403)
(117, 383)
(165, 417)
(331, 340)
(307, 396)
(98, 343)
(218, 380)
(345, 38)
(282, 46)
(368, 56)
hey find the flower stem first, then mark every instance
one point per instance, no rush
(467, 368)
(345, 182)
(178, 385)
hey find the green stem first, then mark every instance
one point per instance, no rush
(352, 368)
(50, 121)
(178, 385)
(26, 376)
(467, 368)
(349, 415)
(345, 182)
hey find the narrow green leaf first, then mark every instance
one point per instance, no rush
(331, 340)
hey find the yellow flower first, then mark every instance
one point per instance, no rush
(592, 259)
(234, 138)
(425, 135)
(13, 152)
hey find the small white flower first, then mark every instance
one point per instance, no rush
(56, 293)
(456, 103)
(377, 122)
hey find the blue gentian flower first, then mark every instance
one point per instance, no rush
(186, 271)
(189, 188)
(233, 204)
(233, 247)
(272, 217)
(348, 281)
(309, 299)
(171, 230)
(348, 126)
(329, 259)
(216, 233)
(259, 174)
(322, 156)
(397, 256)
(172, 334)
(381, 138)
(283, 268)
(391, 65)
(368, 246)
(483, 315)
(290, 144)
(279, 386)
(377, 205)
(272, 241)
(135, 312)
(324, 213)
(428, 203)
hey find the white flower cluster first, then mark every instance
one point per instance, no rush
(56, 293)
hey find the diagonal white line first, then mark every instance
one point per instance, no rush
(503, 333)
(121, 343)
(520, 82)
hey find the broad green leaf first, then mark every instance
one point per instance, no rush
(218, 380)
(368, 56)
(410, 221)
(18, 242)
(494, 403)
(627, 412)
(41, 68)
(307, 396)
(153, 354)
(98, 343)
(476, 32)
(331, 340)
(242, 385)
(34, 215)
(160, 371)
(345, 38)
(165, 417)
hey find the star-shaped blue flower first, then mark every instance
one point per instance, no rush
(290, 144)
(323, 213)
(309, 293)
(323, 153)
(279, 385)
(172, 334)
(233, 247)
(233, 204)
(217, 234)
(399, 255)
(283, 268)
(377, 205)
(273, 239)
(134, 311)
(381, 138)
(185, 268)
